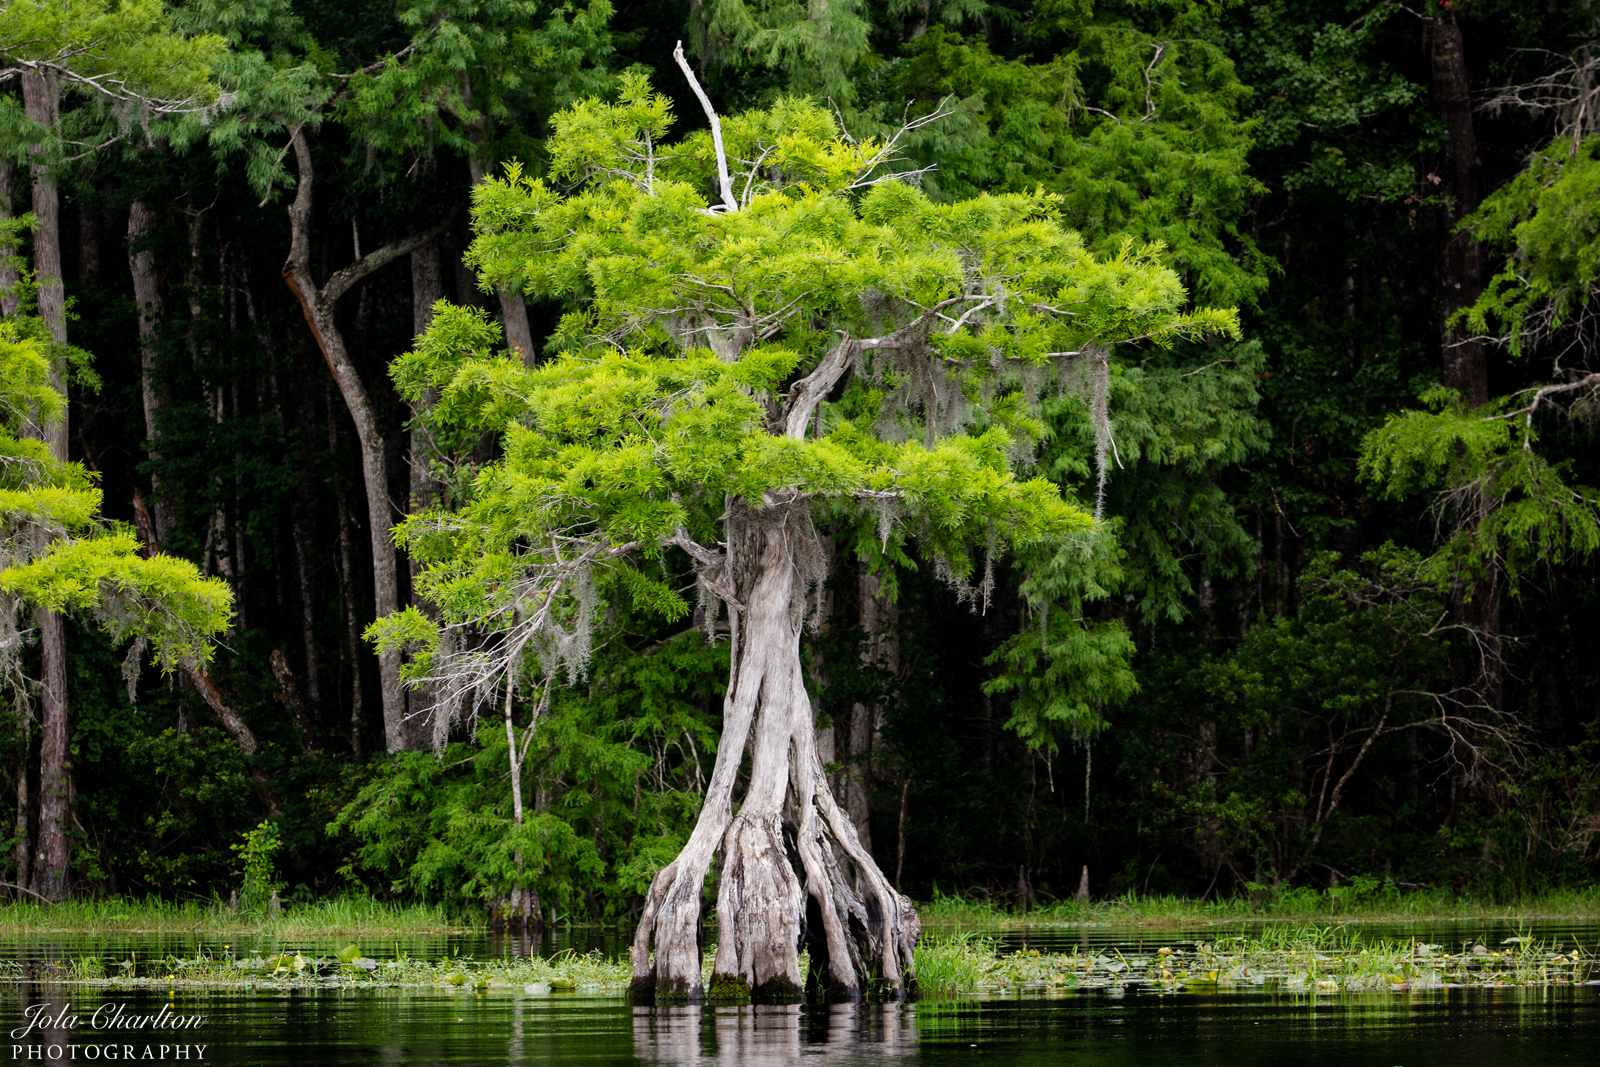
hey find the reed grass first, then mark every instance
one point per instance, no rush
(1377, 904)
(339, 917)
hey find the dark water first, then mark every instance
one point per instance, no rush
(1458, 1028)
(313, 1028)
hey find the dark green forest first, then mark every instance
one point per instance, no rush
(1328, 627)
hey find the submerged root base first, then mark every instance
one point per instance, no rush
(794, 873)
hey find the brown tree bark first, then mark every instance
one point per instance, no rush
(53, 856)
(835, 900)
(89, 218)
(22, 851)
(318, 304)
(308, 610)
(347, 587)
(289, 693)
(239, 730)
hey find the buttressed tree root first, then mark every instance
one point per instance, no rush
(794, 874)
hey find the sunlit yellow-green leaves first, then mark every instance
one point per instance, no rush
(687, 328)
(55, 554)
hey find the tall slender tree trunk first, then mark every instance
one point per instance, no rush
(303, 515)
(318, 305)
(152, 312)
(1465, 358)
(156, 398)
(826, 738)
(1460, 258)
(308, 612)
(53, 855)
(22, 850)
(794, 872)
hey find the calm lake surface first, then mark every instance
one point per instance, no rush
(311, 1028)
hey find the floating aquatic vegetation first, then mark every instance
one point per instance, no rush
(1309, 960)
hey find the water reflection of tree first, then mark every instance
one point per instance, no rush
(754, 1035)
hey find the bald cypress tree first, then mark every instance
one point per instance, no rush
(766, 325)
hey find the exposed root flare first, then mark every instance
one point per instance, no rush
(794, 874)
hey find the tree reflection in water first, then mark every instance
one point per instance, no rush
(762, 1034)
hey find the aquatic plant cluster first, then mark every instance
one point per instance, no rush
(1300, 959)
(562, 973)
(1308, 960)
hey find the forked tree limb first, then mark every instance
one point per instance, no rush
(318, 305)
(725, 183)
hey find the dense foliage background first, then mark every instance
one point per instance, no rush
(1316, 640)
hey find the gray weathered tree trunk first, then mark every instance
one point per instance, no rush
(794, 872)
(152, 310)
(318, 305)
(53, 856)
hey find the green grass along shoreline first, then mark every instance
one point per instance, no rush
(1297, 942)
(353, 917)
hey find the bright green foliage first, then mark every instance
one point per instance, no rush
(160, 599)
(1509, 506)
(257, 869)
(690, 328)
(1548, 218)
(55, 555)
(613, 773)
